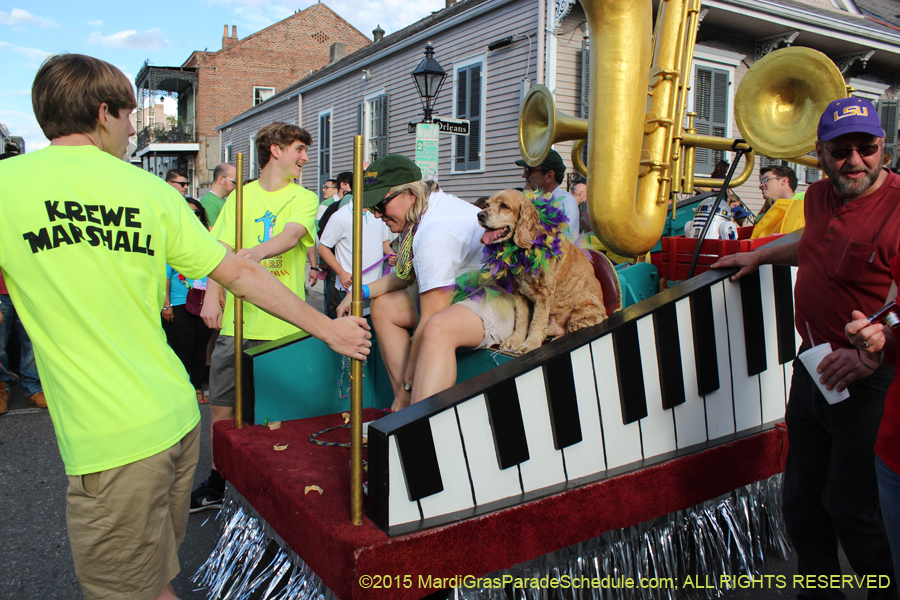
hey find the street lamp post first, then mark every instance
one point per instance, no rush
(429, 77)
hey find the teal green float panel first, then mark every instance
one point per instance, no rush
(639, 281)
(297, 377)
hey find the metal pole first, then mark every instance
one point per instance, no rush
(238, 303)
(356, 366)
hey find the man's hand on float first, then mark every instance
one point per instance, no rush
(747, 261)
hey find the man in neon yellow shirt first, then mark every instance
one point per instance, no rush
(84, 255)
(278, 223)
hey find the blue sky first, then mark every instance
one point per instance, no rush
(126, 34)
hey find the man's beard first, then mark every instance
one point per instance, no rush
(849, 188)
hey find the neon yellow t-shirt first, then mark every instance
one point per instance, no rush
(265, 215)
(84, 242)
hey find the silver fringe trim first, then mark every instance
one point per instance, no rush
(707, 545)
(251, 559)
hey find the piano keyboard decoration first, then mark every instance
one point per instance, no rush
(692, 367)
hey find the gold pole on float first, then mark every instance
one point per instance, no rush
(238, 303)
(356, 309)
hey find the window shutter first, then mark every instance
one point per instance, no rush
(889, 111)
(459, 142)
(381, 143)
(467, 150)
(711, 106)
(473, 141)
(359, 119)
(324, 150)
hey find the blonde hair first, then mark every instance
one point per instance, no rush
(69, 89)
(420, 190)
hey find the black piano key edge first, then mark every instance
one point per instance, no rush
(433, 405)
(436, 521)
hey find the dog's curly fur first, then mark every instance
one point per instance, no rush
(567, 294)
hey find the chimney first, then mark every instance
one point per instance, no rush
(234, 32)
(377, 33)
(226, 40)
(337, 51)
(449, 3)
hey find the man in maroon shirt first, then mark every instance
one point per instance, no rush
(852, 232)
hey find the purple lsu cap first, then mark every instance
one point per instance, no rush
(849, 115)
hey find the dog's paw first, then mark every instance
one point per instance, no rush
(527, 346)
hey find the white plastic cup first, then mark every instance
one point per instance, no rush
(811, 359)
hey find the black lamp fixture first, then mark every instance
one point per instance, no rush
(429, 77)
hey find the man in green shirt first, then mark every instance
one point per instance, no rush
(224, 182)
(84, 257)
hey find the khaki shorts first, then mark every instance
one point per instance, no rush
(221, 369)
(126, 524)
(498, 317)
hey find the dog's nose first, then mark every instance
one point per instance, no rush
(482, 216)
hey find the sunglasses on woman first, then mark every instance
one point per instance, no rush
(381, 206)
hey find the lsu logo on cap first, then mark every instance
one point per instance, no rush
(852, 111)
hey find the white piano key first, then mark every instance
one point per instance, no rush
(771, 381)
(457, 494)
(747, 403)
(622, 442)
(658, 427)
(690, 417)
(545, 465)
(586, 457)
(719, 406)
(490, 482)
(400, 508)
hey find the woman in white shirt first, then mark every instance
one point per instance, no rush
(441, 239)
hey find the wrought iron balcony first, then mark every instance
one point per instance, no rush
(168, 133)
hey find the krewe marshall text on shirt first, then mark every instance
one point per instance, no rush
(112, 227)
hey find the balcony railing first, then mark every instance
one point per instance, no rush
(167, 134)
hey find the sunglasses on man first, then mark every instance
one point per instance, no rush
(181, 183)
(865, 150)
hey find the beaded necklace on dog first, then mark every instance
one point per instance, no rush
(504, 261)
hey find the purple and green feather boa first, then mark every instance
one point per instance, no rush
(504, 261)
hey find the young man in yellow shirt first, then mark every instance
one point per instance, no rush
(278, 228)
(84, 256)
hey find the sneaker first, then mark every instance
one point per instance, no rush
(37, 400)
(4, 398)
(205, 498)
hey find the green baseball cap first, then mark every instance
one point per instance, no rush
(385, 173)
(553, 162)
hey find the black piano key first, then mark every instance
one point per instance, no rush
(754, 332)
(703, 325)
(784, 313)
(668, 356)
(562, 401)
(627, 349)
(505, 416)
(419, 459)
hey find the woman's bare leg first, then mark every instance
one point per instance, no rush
(452, 328)
(394, 316)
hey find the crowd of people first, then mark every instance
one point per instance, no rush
(130, 458)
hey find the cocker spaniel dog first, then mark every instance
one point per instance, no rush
(550, 274)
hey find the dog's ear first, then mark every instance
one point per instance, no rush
(528, 227)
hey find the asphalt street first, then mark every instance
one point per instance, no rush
(35, 559)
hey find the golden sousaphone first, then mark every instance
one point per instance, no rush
(638, 148)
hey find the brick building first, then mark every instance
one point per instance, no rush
(213, 87)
